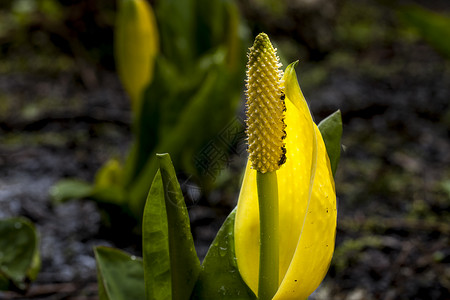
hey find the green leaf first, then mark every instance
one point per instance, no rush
(120, 275)
(219, 277)
(176, 21)
(114, 194)
(170, 260)
(211, 29)
(147, 119)
(433, 27)
(68, 189)
(110, 174)
(237, 38)
(331, 130)
(180, 140)
(19, 253)
(155, 246)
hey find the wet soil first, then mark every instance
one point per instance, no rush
(53, 128)
(393, 223)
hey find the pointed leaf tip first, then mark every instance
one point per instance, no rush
(167, 240)
(331, 130)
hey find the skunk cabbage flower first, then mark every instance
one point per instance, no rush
(306, 194)
(136, 45)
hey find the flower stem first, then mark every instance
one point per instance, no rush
(268, 216)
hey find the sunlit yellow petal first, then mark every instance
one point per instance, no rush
(316, 244)
(307, 207)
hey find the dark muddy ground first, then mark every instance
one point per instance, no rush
(393, 182)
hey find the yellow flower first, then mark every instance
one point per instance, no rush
(136, 45)
(307, 206)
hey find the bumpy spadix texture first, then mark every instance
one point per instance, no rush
(265, 106)
(307, 206)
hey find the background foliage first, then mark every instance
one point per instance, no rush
(64, 114)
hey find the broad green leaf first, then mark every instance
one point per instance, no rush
(180, 140)
(237, 38)
(167, 239)
(183, 257)
(211, 29)
(19, 253)
(68, 189)
(147, 120)
(176, 21)
(120, 275)
(331, 130)
(219, 277)
(164, 101)
(155, 244)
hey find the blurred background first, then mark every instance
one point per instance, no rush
(384, 64)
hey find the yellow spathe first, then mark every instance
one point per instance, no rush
(136, 45)
(307, 206)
